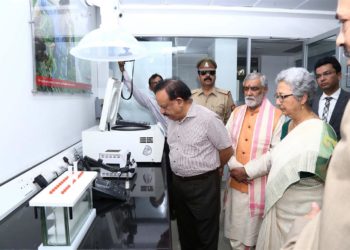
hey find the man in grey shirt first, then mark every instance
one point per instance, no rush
(199, 146)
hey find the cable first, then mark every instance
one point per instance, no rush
(131, 83)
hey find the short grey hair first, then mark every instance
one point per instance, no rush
(256, 75)
(300, 81)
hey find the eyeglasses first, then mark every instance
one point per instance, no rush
(204, 72)
(325, 74)
(254, 88)
(282, 97)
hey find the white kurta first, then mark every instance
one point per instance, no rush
(244, 227)
(240, 225)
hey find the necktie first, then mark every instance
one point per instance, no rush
(326, 108)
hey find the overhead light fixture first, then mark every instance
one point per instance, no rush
(179, 49)
(169, 50)
(110, 42)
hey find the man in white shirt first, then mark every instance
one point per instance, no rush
(330, 105)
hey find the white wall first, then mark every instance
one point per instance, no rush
(271, 66)
(226, 58)
(33, 127)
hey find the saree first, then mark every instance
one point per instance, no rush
(296, 179)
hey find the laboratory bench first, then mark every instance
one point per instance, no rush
(140, 222)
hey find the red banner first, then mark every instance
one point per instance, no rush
(58, 83)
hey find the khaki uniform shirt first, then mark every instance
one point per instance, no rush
(218, 101)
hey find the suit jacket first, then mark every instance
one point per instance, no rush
(337, 112)
(330, 228)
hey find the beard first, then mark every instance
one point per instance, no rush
(252, 101)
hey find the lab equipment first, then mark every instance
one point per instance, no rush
(145, 145)
(117, 164)
(65, 209)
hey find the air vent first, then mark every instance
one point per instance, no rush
(146, 139)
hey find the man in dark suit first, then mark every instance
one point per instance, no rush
(330, 105)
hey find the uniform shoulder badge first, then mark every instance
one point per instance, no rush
(223, 91)
(195, 91)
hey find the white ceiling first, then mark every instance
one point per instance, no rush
(314, 5)
(199, 46)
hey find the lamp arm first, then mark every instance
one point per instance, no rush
(109, 11)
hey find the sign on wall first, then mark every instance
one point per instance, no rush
(58, 26)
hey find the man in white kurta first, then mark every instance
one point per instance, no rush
(254, 128)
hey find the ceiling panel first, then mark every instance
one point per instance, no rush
(150, 2)
(234, 3)
(199, 46)
(281, 4)
(188, 2)
(323, 5)
(326, 5)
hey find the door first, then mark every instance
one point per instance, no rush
(325, 45)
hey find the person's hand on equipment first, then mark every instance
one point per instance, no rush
(121, 66)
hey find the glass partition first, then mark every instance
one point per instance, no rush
(325, 45)
(229, 53)
(268, 56)
(319, 49)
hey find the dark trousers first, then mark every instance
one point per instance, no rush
(197, 205)
(169, 179)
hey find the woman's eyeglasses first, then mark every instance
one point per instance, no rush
(204, 72)
(282, 97)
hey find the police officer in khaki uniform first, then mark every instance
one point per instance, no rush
(218, 100)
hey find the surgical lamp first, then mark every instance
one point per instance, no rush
(110, 42)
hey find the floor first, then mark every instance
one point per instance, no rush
(223, 242)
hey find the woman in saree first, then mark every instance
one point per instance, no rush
(297, 166)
